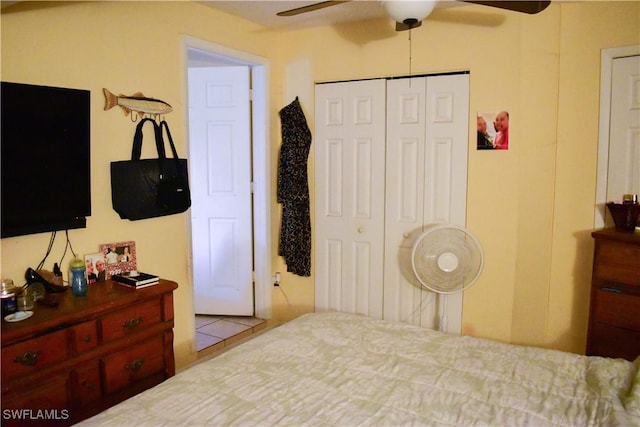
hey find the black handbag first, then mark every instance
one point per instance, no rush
(149, 188)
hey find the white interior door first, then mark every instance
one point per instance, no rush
(349, 183)
(426, 183)
(220, 175)
(623, 175)
(610, 125)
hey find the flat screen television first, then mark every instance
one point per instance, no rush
(45, 158)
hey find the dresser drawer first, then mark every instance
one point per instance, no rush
(130, 320)
(86, 384)
(134, 364)
(34, 355)
(617, 262)
(84, 337)
(616, 309)
(27, 406)
(609, 341)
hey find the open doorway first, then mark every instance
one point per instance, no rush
(198, 53)
(616, 174)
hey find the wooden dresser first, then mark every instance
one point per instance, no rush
(67, 363)
(614, 318)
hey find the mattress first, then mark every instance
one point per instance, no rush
(338, 369)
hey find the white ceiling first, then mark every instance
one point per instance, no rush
(264, 12)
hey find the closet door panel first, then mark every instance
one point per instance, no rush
(362, 178)
(439, 181)
(409, 173)
(349, 204)
(332, 173)
(426, 184)
(447, 145)
(406, 111)
(446, 153)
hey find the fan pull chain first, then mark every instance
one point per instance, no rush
(410, 58)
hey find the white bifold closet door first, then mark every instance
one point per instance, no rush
(372, 190)
(349, 196)
(426, 183)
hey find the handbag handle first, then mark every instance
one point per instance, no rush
(164, 125)
(136, 151)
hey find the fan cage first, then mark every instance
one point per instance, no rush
(447, 259)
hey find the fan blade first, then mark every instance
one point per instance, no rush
(530, 7)
(310, 8)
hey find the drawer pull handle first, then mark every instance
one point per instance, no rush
(135, 365)
(86, 338)
(132, 323)
(614, 290)
(28, 359)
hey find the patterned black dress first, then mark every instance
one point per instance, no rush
(293, 190)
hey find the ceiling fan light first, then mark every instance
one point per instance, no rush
(409, 10)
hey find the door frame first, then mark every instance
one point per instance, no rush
(606, 74)
(261, 163)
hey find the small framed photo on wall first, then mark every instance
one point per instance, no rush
(493, 130)
(119, 257)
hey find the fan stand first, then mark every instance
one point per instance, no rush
(443, 323)
(447, 262)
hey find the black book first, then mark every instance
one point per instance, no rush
(140, 280)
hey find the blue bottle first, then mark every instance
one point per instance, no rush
(79, 285)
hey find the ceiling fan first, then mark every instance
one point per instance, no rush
(409, 14)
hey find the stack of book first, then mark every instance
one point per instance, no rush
(136, 279)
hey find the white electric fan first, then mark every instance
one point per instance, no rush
(442, 258)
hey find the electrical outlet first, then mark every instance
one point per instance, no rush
(276, 279)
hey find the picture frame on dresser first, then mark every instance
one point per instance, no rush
(95, 267)
(119, 257)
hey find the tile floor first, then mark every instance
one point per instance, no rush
(213, 333)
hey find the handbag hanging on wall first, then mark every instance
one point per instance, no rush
(149, 188)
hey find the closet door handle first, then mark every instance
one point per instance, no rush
(360, 230)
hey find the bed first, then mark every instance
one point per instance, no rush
(338, 369)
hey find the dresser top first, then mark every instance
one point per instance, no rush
(102, 296)
(632, 237)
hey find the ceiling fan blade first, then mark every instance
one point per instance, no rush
(309, 8)
(530, 7)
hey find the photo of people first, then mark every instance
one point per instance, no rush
(96, 267)
(493, 130)
(119, 257)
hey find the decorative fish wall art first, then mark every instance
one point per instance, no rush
(136, 103)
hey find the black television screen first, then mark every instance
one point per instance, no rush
(45, 158)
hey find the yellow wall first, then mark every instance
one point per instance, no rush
(532, 207)
(125, 47)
